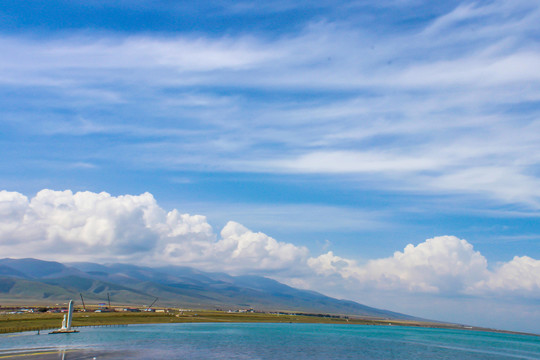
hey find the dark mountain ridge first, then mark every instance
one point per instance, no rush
(176, 286)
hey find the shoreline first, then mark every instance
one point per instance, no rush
(17, 323)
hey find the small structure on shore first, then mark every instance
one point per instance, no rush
(66, 323)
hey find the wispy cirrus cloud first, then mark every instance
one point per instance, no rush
(448, 107)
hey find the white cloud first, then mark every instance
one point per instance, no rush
(13, 207)
(257, 250)
(521, 275)
(441, 265)
(329, 264)
(475, 71)
(62, 225)
(180, 54)
(97, 226)
(506, 183)
(356, 162)
(87, 222)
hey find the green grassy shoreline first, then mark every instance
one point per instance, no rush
(10, 323)
(34, 321)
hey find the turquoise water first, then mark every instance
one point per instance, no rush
(283, 341)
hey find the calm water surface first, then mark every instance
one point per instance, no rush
(282, 341)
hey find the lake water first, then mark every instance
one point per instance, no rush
(280, 341)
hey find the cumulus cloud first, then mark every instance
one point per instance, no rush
(238, 249)
(62, 225)
(520, 275)
(257, 250)
(443, 265)
(98, 226)
(13, 206)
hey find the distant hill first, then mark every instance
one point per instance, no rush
(28, 280)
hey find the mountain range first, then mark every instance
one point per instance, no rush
(28, 280)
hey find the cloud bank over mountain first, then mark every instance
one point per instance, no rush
(92, 226)
(87, 226)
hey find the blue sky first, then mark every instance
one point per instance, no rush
(344, 128)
